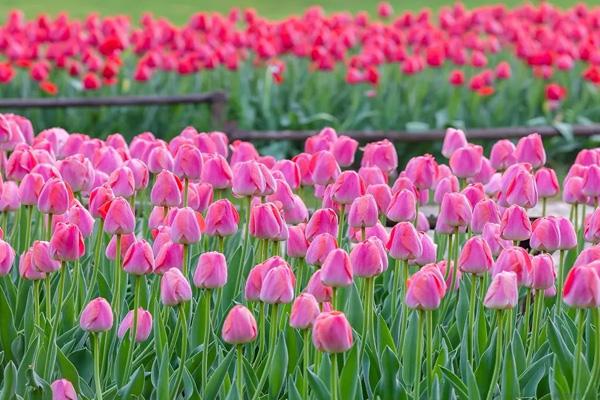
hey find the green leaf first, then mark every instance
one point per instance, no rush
(319, 390)
(509, 389)
(135, 386)
(409, 349)
(162, 366)
(531, 377)
(121, 361)
(7, 333)
(349, 375)
(385, 335)
(355, 311)
(292, 390)
(68, 370)
(9, 382)
(391, 365)
(279, 370)
(218, 375)
(460, 388)
(563, 355)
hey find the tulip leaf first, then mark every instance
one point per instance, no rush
(509, 388)
(559, 348)
(135, 386)
(279, 369)
(391, 365)
(319, 390)
(349, 375)
(409, 349)
(121, 360)
(68, 370)
(292, 391)
(531, 377)
(385, 335)
(355, 311)
(486, 365)
(218, 375)
(9, 384)
(460, 388)
(7, 332)
(162, 384)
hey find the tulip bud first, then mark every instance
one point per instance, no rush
(7, 258)
(363, 212)
(332, 332)
(484, 212)
(403, 206)
(336, 270)
(517, 260)
(503, 292)
(143, 328)
(502, 155)
(122, 182)
(530, 149)
(296, 245)
(515, 224)
(55, 197)
(79, 216)
(186, 226)
(174, 288)
(42, 257)
(30, 188)
(455, 212)
(545, 235)
(382, 194)
(567, 235)
(188, 162)
(543, 273)
(239, 326)
(100, 196)
(62, 389)
(466, 161)
(119, 218)
(404, 242)
(347, 186)
(368, 258)
(323, 220)
(476, 256)
(344, 149)
(278, 285)
(425, 289)
(97, 316)
(491, 234)
(316, 287)
(167, 190)
(380, 154)
(67, 242)
(211, 271)
(546, 182)
(266, 222)
(304, 311)
(139, 259)
(582, 288)
(454, 139)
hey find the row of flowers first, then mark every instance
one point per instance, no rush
(204, 251)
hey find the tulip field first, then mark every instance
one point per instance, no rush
(201, 269)
(391, 69)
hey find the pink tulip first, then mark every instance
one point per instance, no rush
(543, 272)
(122, 182)
(278, 285)
(515, 224)
(211, 271)
(404, 242)
(98, 198)
(126, 241)
(316, 287)
(476, 256)
(403, 206)
(159, 159)
(140, 173)
(174, 288)
(448, 184)
(454, 139)
(518, 187)
(382, 194)
(42, 257)
(567, 235)
(363, 212)
(186, 226)
(545, 235)
(503, 292)
(27, 268)
(573, 191)
(372, 176)
(169, 256)
(455, 212)
(582, 288)
(242, 151)
(530, 149)
(304, 311)
(55, 197)
(67, 242)
(319, 248)
(332, 332)
(503, 155)
(97, 316)
(143, 328)
(62, 389)
(30, 188)
(167, 190)
(380, 154)
(297, 213)
(475, 193)
(302, 160)
(266, 222)
(422, 171)
(119, 217)
(106, 159)
(7, 258)
(517, 260)
(139, 259)
(296, 245)
(484, 212)
(336, 270)
(81, 217)
(425, 289)
(347, 186)
(377, 230)
(368, 258)
(239, 326)
(217, 172)
(466, 161)
(9, 197)
(323, 220)
(188, 162)
(546, 182)
(222, 218)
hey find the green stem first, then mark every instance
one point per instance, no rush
(184, 340)
(499, 353)
(54, 328)
(560, 279)
(133, 329)
(239, 371)
(117, 279)
(334, 376)
(537, 313)
(245, 243)
(472, 302)
(593, 381)
(305, 360)
(395, 290)
(271, 352)
(95, 338)
(48, 297)
(96, 266)
(186, 185)
(527, 311)
(577, 355)
(417, 379)
(185, 260)
(404, 309)
(429, 349)
(544, 201)
(207, 297)
(341, 226)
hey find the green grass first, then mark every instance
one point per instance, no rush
(180, 10)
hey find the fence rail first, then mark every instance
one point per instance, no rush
(422, 136)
